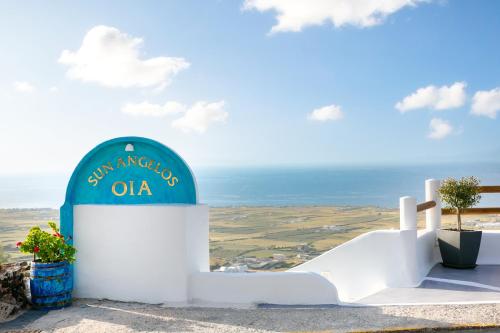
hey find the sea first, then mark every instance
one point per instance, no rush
(379, 186)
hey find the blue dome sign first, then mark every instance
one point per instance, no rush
(128, 171)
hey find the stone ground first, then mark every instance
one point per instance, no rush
(107, 316)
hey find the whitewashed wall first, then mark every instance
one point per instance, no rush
(427, 252)
(160, 254)
(236, 289)
(489, 252)
(366, 264)
(377, 260)
(353, 270)
(142, 253)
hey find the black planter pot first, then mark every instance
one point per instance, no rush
(459, 249)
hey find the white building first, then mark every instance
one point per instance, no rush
(132, 209)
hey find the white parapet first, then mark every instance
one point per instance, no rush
(407, 213)
(364, 265)
(246, 289)
(433, 215)
(142, 253)
(490, 248)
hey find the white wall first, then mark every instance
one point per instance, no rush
(160, 254)
(353, 270)
(171, 244)
(197, 238)
(376, 260)
(489, 252)
(230, 289)
(142, 253)
(366, 264)
(427, 252)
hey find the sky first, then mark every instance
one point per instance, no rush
(251, 82)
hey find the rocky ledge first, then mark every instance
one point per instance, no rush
(13, 293)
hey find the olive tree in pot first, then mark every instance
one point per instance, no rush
(459, 248)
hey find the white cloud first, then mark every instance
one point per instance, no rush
(23, 86)
(439, 129)
(294, 15)
(200, 116)
(111, 58)
(53, 89)
(326, 113)
(437, 98)
(196, 118)
(486, 103)
(153, 110)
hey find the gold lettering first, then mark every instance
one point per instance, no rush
(100, 171)
(144, 187)
(157, 167)
(131, 186)
(107, 167)
(119, 163)
(163, 174)
(142, 165)
(173, 181)
(93, 181)
(132, 159)
(121, 188)
(124, 189)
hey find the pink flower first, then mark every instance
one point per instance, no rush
(19, 244)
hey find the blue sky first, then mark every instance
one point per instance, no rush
(217, 83)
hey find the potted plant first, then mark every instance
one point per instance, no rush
(459, 248)
(51, 281)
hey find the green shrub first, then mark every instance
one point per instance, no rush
(47, 247)
(460, 194)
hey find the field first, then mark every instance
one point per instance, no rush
(262, 238)
(15, 224)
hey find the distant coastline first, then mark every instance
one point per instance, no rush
(378, 186)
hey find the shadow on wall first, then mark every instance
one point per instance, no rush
(92, 315)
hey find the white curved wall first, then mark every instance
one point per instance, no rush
(369, 263)
(142, 253)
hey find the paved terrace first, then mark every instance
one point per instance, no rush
(445, 286)
(447, 298)
(106, 316)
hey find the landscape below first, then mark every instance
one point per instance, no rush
(257, 238)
